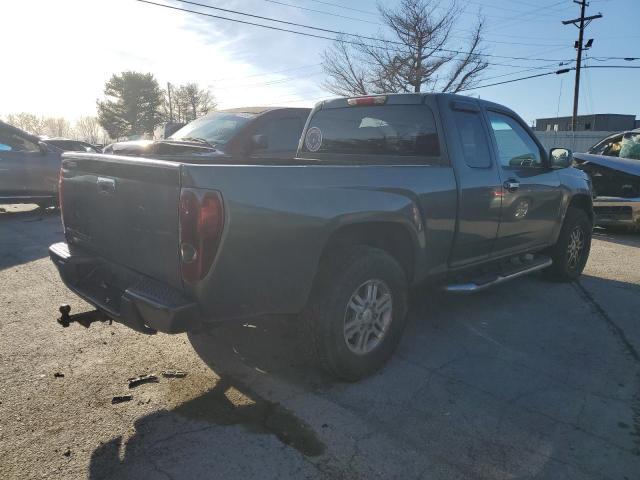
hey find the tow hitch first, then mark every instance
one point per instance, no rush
(85, 318)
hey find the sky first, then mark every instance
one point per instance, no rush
(57, 55)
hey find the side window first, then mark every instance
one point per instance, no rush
(473, 139)
(516, 148)
(610, 147)
(12, 141)
(282, 134)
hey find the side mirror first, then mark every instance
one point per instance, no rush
(259, 142)
(44, 148)
(561, 157)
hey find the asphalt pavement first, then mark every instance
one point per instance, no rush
(528, 380)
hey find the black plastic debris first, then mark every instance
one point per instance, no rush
(135, 381)
(58, 375)
(174, 374)
(121, 399)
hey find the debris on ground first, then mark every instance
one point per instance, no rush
(135, 381)
(67, 452)
(174, 374)
(121, 399)
(58, 375)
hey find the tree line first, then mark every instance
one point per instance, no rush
(86, 128)
(133, 105)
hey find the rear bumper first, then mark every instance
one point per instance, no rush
(128, 297)
(617, 211)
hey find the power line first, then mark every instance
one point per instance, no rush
(333, 14)
(527, 14)
(613, 66)
(351, 42)
(557, 72)
(326, 30)
(345, 8)
(299, 7)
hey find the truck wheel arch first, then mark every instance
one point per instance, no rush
(582, 202)
(391, 237)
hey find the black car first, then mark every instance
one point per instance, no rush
(227, 136)
(29, 168)
(69, 145)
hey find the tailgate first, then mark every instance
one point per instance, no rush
(125, 210)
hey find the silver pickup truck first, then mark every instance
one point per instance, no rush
(386, 192)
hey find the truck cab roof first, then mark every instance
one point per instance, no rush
(409, 99)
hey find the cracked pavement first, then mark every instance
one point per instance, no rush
(528, 380)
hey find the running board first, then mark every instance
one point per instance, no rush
(486, 282)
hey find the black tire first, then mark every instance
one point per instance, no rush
(345, 271)
(566, 268)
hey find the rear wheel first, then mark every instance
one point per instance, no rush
(358, 311)
(571, 251)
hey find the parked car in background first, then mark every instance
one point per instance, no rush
(385, 192)
(68, 145)
(29, 168)
(166, 129)
(614, 167)
(227, 136)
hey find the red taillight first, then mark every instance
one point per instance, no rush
(201, 223)
(375, 100)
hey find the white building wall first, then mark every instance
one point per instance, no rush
(576, 141)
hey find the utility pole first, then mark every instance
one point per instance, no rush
(170, 105)
(581, 23)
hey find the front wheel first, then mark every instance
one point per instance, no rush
(358, 311)
(571, 251)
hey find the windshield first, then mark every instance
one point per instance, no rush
(215, 128)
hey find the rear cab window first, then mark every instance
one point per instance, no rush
(473, 138)
(366, 134)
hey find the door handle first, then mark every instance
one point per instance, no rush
(511, 185)
(106, 186)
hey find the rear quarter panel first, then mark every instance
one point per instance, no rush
(278, 220)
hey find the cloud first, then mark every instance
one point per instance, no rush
(63, 52)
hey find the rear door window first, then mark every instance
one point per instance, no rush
(392, 130)
(473, 139)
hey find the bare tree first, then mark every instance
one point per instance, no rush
(27, 121)
(188, 102)
(419, 56)
(89, 129)
(56, 127)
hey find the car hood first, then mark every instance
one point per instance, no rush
(626, 165)
(161, 148)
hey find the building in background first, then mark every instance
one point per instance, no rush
(600, 122)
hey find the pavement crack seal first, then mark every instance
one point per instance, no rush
(613, 326)
(629, 349)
